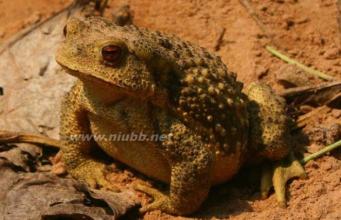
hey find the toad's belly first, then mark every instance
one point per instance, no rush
(130, 148)
(119, 142)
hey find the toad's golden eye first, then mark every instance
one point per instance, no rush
(111, 55)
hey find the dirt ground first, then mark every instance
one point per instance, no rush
(306, 30)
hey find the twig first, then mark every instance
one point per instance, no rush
(313, 89)
(100, 5)
(247, 5)
(305, 119)
(339, 18)
(21, 34)
(219, 40)
(321, 152)
(15, 137)
(75, 5)
(298, 64)
(328, 93)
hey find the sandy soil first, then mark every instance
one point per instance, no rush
(307, 30)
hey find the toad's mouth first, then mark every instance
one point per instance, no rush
(102, 82)
(110, 87)
(90, 77)
(152, 93)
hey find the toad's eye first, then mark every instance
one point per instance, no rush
(111, 54)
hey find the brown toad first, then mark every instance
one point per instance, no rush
(132, 80)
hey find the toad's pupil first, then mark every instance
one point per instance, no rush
(111, 53)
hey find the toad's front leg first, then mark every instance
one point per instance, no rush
(76, 135)
(191, 164)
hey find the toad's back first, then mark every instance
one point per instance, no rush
(201, 90)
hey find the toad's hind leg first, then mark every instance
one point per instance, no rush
(191, 165)
(278, 176)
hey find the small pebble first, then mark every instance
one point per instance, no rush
(263, 7)
(332, 54)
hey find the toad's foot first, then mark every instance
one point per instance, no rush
(92, 172)
(284, 170)
(160, 202)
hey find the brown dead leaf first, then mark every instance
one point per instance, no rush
(32, 81)
(43, 195)
(23, 156)
(323, 94)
